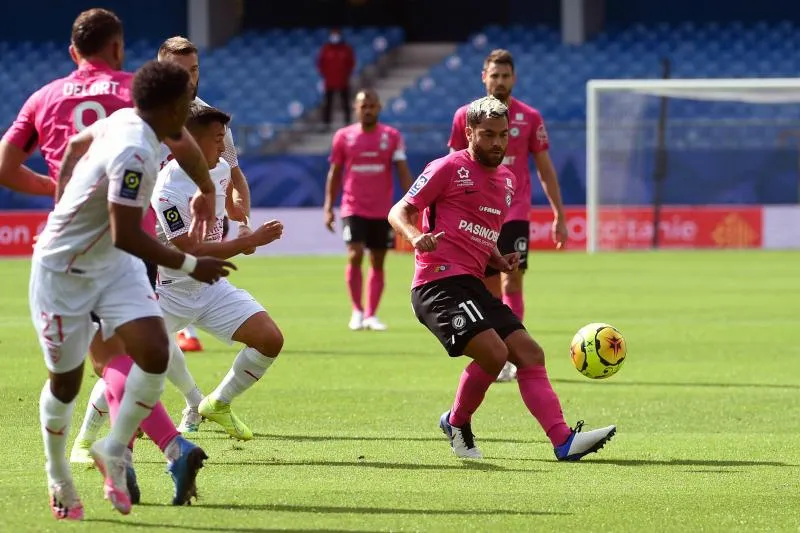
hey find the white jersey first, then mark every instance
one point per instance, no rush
(171, 201)
(229, 155)
(121, 167)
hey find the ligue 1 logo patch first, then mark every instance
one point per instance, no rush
(131, 181)
(173, 218)
(418, 185)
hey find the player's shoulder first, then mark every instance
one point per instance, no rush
(461, 113)
(390, 130)
(505, 172)
(222, 167)
(173, 177)
(445, 163)
(518, 106)
(343, 132)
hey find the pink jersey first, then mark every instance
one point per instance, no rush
(67, 106)
(367, 158)
(469, 203)
(527, 134)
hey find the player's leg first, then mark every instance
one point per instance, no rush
(517, 235)
(452, 310)
(60, 305)
(128, 308)
(184, 458)
(234, 316)
(179, 312)
(100, 352)
(379, 239)
(541, 400)
(345, 94)
(327, 108)
(354, 235)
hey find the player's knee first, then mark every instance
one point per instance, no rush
(154, 353)
(512, 283)
(270, 342)
(65, 387)
(528, 353)
(355, 254)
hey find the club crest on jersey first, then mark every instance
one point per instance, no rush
(131, 181)
(508, 199)
(418, 185)
(173, 218)
(514, 132)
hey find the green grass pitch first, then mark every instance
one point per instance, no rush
(707, 408)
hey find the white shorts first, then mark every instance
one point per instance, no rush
(61, 303)
(219, 309)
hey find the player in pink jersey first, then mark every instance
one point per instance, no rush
(527, 135)
(465, 198)
(361, 161)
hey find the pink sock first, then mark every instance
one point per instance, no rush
(516, 303)
(374, 291)
(542, 402)
(354, 284)
(158, 425)
(471, 390)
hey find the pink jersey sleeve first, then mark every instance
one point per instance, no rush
(539, 141)
(458, 138)
(338, 155)
(430, 185)
(399, 153)
(23, 133)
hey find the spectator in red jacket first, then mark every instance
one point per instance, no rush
(335, 64)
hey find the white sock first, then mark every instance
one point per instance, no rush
(189, 332)
(96, 413)
(173, 451)
(142, 392)
(248, 367)
(55, 416)
(178, 374)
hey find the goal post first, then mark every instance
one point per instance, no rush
(720, 116)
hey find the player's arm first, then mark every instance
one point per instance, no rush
(126, 203)
(77, 147)
(549, 180)
(333, 184)
(19, 178)
(422, 193)
(15, 147)
(401, 162)
(237, 199)
(173, 214)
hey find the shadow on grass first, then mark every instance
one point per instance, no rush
(193, 527)
(664, 462)
(775, 386)
(460, 466)
(329, 509)
(323, 438)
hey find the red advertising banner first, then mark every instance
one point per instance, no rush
(17, 229)
(679, 227)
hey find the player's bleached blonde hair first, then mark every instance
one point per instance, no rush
(483, 108)
(176, 46)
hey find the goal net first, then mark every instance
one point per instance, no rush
(681, 162)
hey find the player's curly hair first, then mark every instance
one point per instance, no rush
(93, 29)
(499, 56)
(483, 108)
(201, 116)
(158, 84)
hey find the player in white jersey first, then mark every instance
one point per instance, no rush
(228, 313)
(85, 260)
(182, 51)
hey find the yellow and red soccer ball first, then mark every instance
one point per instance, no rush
(598, 350)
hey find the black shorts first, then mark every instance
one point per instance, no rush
(457, 308)
(374, 233)
(152, 275)
(514, 237)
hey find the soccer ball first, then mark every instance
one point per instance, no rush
(598, 350)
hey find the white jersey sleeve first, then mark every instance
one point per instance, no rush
(171, 205)
(230, 155)
(128, 177)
